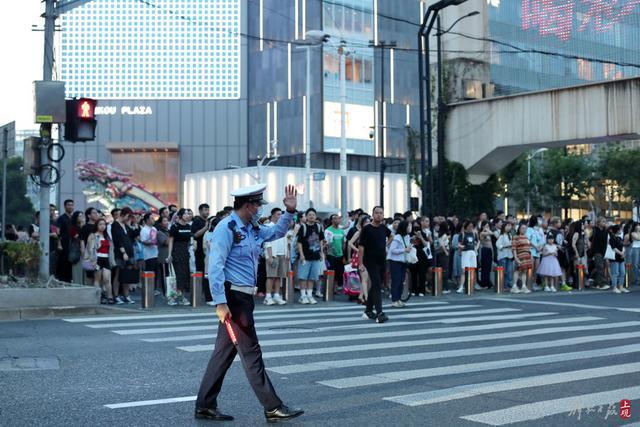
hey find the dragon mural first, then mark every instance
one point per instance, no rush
(113, 188)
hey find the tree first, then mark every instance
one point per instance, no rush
(620, 166)
(19, 208)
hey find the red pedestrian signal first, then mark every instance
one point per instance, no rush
(81, 120)
(86, 108)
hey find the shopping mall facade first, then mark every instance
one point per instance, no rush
(189, 91)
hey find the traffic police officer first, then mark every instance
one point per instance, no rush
(233, 264)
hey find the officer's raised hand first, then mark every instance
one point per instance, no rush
(290, 198)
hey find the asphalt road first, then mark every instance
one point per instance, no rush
(535, 360)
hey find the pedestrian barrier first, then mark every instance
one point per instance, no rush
(437, 281)
(148, 288)
(197, 297)
(499, 280)
(581, 271)
(470, 273)
(627, 275)
(289, 292)
(330, 276)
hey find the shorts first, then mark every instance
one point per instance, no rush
(279, 271)
(310, 270)
(103, 263)
(150, 264)
(468, 259)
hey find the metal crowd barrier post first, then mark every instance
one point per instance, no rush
(197, 298)
(437, 281)
(627, 275)
(148, 287)
(289, 292)
(471, 280)
(499, 280)
(530, 279)
(330, 278)
(580, 269)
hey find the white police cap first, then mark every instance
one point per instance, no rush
(250, 194)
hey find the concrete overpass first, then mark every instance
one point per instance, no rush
(487, 135)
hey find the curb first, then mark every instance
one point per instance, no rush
(32, 313)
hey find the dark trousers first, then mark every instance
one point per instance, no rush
(376, 277)
(63, 269)
(418, 276)
(486, 262)
(205, 281)
(598, 270)
(262, 275)
(398, 270)
(241, 306)
(337, 266)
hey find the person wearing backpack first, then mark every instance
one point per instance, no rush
(311, 251)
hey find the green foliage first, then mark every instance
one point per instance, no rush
(19, 207)
(464, 199)
(21, 258)
(622, 165)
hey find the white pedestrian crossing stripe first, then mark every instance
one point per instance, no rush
(322, 345)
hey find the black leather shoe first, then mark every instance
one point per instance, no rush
(212, 414)
(282, 413)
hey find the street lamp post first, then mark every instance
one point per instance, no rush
(312, 39)
(442, 110)
(424, 69)
(529, 157)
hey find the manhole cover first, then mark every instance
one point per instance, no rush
(29, 363)
(295, 329)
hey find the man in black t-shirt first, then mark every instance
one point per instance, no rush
(199, 226)
(373, 253)
(310, 249)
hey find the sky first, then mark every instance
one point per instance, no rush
(21, 60)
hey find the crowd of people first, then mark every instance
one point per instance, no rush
(369, 254)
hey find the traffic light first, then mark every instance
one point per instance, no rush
(81, 120)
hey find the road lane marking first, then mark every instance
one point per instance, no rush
(465, 352)
(271, 316)
(538, 410)
(287, 323)
(261, 311)
(567, 304)
(398, 376)
(372, 325)
(472, 390)
(415, 343)
(151, 402)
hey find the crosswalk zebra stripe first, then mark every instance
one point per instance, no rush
(471, 390)
(568, 304)
(208, 313)
(305, 315)
(538, 410)
(465, 352)
(151, 402)
(398, 376)
(351, 318)
(397, 324)
(417, 343)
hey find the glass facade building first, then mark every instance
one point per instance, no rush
(544, 44)
(164, 49)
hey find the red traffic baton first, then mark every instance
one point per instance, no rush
(232, 335)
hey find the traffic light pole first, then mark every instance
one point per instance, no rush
(45, 138)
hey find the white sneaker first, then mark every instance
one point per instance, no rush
(128, 300)
(119, 300)
(553, 288)
(319, 294)
(515, 290)
(604, 287)
(211, 303)
(477, 287)
(312, 300)
(624, 290)
(446, 291)
(413, 295)
(269, 301)
(396, 304)
(616, 290)
(525, 290)
(184, 301)
(460, 290)
(157, 293)
(547, 289)
(278, 299)
(304, 300)
(420, 295)
(172, 301)
(536, 288)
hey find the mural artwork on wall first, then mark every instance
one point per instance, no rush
(113, 187)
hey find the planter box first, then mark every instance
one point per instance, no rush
(80, 296)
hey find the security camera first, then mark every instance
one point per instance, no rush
(371, 134)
